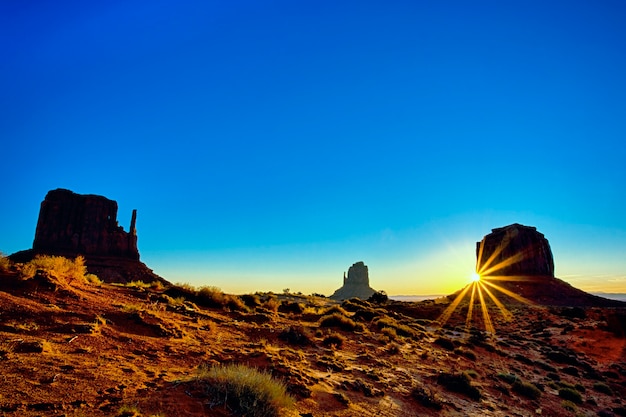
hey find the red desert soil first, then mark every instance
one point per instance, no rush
(81, 349)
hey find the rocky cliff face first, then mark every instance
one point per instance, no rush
(356, 284)
(73, 224)
(514, 250)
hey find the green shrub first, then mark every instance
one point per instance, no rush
(526, 389)
(244, 390)
(603, 388)
(340, 321)
(459, 382)
(57, 266)
(570, 395)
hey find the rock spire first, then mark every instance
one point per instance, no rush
(356, 284)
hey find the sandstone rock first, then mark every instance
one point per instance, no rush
(83, 224)
(73, 224)
(356, 284)
(514, 250)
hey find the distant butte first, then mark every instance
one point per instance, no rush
(73, 224)
(518, 259)
(356, 285)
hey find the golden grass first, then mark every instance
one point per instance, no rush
(244, 390)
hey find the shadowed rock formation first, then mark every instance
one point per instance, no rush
(518, 259)
(73, 224)
(514, 250)
(356, 285)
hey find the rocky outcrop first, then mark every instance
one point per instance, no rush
(514, 250)
(356, 284)
(73, 224)
(83, 224)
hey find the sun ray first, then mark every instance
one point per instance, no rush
(509, 293)
(486, 318)
(503, 264)
(513, 278)
(470, 308)
(479, 258)
(508, 316)
(483, 266)
(445, 316)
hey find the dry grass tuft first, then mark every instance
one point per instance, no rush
(57, 266)
(244, 390)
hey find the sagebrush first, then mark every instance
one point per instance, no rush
(244, 390)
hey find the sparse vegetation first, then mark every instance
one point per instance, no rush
(459, 382)
(59, 267)
(334, 340)
(5, 262)
(427, 397)
(296, 335)
(244, 390)
(603, 388)
(526, 389)
(571, 395)
(340, 321)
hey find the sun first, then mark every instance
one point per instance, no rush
(475, 277)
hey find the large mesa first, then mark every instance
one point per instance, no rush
(72, 224)
(356, 284)
(514, 250)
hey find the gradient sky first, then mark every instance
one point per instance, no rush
(270, 145)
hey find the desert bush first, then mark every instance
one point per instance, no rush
(393, 349)
(354, 304)
(5, 262)
(526, 389)
(471, 373)
(427, 397)
(401, 329)
(334, 309)
(569, 406)
(379, 297)
(570, 395)
(251, 300)
(296, 335)
(93, 279)
(390, 332)
(271, 304)
(209, 296)
(509, 378)
(244, 390)
(291, 307)
(603, 388)
(445, 343)
(467, 353)
(57, 266)
(459, 382)
(340, 321)
(366, 314)
(334, 340)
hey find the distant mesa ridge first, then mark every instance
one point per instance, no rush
(73, 224)
(356, 284)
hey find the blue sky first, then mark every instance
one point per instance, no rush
(270, 145)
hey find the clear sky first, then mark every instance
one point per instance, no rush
(271, 144)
